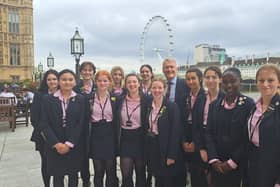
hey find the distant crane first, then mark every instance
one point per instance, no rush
(157, 51)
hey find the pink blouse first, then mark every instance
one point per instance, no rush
(153, 119)
(253, 127)
(134, 111)
(193, 99)
(88, 87)
(64, 105)
(206, 107)
(227, 106)
(98, 106)
(118, 91)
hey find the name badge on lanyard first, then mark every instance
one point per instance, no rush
(103, 120)
(129, 122)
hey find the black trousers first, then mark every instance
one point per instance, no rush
(197, 170)
(85, 175)
(179, 180)
(164, 181)
(155, 167)
(231, 179)
(46, 177)
(58, 181)
(253, 165)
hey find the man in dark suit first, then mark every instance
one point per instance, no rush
(178, 87)
(176, 91)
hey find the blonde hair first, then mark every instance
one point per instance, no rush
(271, 67)
(117, 68)
(160, 80)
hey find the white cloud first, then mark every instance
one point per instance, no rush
(112, 28)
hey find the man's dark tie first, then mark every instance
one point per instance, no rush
(167, 95)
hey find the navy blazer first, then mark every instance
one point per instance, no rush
(181, 91)
(53, 132)
(198, 118)
(268, 172)
(228, 141)
(189, 129)
(169, 129)
(35, 112)
(79, 89)
(51, 120)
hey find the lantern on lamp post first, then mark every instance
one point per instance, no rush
(77, 50)
(40, 69)
(50, 61)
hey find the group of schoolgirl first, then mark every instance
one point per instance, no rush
(216, 134)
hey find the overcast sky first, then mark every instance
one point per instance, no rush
(112, 29)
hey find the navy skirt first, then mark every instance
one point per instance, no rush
(102, 145)
(132, 143)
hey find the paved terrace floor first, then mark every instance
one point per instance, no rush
(19, 162)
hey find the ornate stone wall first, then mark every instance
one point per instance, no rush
(23, 38)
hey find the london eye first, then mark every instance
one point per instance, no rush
(167, 36)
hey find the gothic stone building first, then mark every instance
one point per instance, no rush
(16, 40)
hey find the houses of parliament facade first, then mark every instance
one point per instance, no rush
(16, 40)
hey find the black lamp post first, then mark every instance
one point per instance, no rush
(33, 74)
(77, 50)
(50, 61)
(40, 69)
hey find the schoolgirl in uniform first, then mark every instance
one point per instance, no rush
(264, 130)
(146, 73)
(194, 82)
(103, 136)
(212, 80)
(86, 87)
(117, 74)
(132, 115)
(162, 136)
(48, 86)
(62, 123)
(225, 131)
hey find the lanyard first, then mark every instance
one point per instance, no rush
(252, 131)
(127, 114)
(270, 109)
(64, 108)
(189, 107)
(102, 107)
(152, 122)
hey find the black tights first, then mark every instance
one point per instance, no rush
(127, 165)
(58, 181)
(45, 175)
(102, 166)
